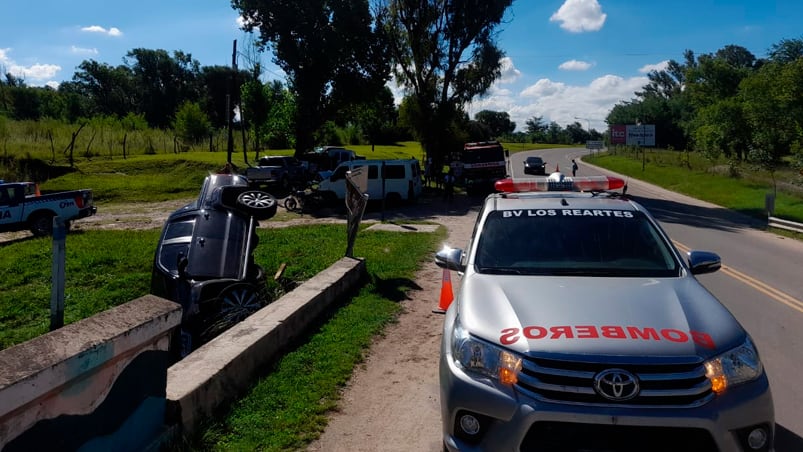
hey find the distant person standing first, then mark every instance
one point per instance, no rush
(448, 186)
(574, 168)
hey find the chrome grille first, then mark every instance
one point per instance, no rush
(566, 381)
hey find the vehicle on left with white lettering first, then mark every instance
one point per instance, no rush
(23, 207)
(579, 326)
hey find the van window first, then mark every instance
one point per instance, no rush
(373, 172)
(394, 171)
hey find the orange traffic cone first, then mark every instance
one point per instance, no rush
(557, 168)
(446, 293)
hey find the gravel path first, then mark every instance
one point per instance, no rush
(392, 402)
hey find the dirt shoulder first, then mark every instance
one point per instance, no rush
(392, 402)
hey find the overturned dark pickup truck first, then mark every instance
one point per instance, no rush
(23, 207)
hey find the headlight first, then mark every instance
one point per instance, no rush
(484, 358)
(734, 367)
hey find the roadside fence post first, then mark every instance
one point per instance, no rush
(57, 274)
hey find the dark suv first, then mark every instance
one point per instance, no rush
(534, 165)
(204, 260)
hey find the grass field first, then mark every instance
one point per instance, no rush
(690, 174)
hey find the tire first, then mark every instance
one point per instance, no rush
(234, 304)
(290, 203)
(260, 204)
(41, 225)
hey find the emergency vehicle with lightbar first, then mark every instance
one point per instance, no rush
(578, 326)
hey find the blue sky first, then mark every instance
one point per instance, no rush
(565, 59)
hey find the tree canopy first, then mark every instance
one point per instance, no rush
(444, 55)
(330, 50)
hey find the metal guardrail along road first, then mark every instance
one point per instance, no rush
(785, 224)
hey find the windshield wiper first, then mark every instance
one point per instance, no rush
(499, 270)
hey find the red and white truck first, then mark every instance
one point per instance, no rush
(23, 207)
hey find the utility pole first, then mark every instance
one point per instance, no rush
(230, 141)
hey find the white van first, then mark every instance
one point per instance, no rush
(401, 181)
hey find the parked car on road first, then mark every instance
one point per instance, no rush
(578, 326)
(534, 165)
(204, 259)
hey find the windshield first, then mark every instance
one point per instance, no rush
(482, 155)
(574, 243)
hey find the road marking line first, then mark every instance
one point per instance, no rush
(762, 287)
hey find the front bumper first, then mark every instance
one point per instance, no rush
(511, 421)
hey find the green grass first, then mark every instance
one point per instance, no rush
(691, 175)
(288, 408)
(106, 268)
(102, 269)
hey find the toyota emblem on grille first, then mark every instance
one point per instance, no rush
(616, 384)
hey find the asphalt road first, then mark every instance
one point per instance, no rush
(761, 280)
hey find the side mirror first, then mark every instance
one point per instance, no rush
(449, 258)
(701, 262)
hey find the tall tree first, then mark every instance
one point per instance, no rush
(498, 122)
(772, 100)
(164, 82)
(536, 125)
(444, 54)
(330, 50)
(220, 94)
(786, 51)
(110, 89)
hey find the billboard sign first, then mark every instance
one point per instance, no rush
(633, 134)
(641, 135)
(618, 134)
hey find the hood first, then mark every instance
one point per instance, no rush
(600, 316)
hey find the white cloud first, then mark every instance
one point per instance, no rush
(543, 88)
(83, 51)
(509, 72)
(562, 103)
(113, 31)
(36, 71)
(654, 67)
(575, 65)
(30, 74)
(578, 16)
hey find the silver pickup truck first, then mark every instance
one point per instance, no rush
(579, 326)
(23, 207)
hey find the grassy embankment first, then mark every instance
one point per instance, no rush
(691, 174)
(107, 268)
